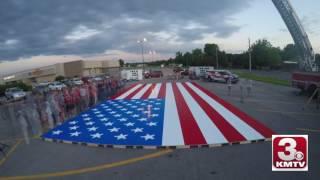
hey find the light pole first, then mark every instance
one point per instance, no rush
(217, 60)
(141, 42)
(249, 55)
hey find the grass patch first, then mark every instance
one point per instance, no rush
(265, 79)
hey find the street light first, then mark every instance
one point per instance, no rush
(249, 55)
(152, 54)
(217, 60)
(142, 41)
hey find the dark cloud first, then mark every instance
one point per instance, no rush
(59, 27)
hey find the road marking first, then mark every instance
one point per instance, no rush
(10, 152)
(308, 130)
(90, 169)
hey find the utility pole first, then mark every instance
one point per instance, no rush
(141, 42)
(217, 60)
(249, 55)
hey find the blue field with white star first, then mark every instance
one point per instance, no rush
(115, 122)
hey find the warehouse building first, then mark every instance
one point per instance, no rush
(71, 69)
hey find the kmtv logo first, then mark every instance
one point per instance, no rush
(289, 152)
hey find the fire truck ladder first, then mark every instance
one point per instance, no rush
(298, 34)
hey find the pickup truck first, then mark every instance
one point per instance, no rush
(306, 81)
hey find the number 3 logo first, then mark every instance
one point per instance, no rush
(290, 145)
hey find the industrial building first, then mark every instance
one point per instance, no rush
(79, 68)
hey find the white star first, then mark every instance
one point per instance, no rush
(155, 115)
(87, 119)
(152, 124)
(89, 123)
(92, 129)
(75, 133)
(96, 135)
(117, 115)
(108, 109)
(134, 106)
(156, 108)
(108, 124)
(104, 119)
(136, 130)
(94, 109)
(129, 112)
(140, 109)
(146, 112)
(142, 119)
(114, 129)
(97, 112)
(124, 109)
(121, 136)
(157, 103)
(56, 132)
(112, 112)
(129, 104)
(74, 127)
(123, 119)
(135, 115)
(100, 115)
(148, 136)
(143, 104)
(85, 115)
(129, 124)
(73, 122)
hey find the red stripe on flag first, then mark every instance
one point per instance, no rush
(228, 131)
(122, 91)
(148, 92)
(135, 92)
(162, 91)
(263, 130)
(190, 129)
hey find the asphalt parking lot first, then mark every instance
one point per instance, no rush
(277, 107)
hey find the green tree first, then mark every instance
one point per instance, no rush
(318, 59)
(212, 53)
(59, 78)
(188, 58)
(197, 57)
(179, 58)
(121, 62)
(264, 55)
(290, 53)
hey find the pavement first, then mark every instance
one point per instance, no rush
(278, 107)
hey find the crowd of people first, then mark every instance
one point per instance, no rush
(43, 110)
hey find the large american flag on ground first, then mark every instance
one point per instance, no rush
(161, 114)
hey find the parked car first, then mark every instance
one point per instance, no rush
(77, 81)
(153, 74)
(15, 93)
(56, 86)
(221, 76)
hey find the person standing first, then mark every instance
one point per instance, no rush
(24, 126)
(229, 83)
(249, 86)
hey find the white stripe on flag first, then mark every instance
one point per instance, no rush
(172, 132)
(155, 91)
(209, 130)
(141, 92)
(129, 92)
(247, 131)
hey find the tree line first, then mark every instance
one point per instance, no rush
(263, 56)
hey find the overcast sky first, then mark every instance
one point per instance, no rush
(41, 32)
